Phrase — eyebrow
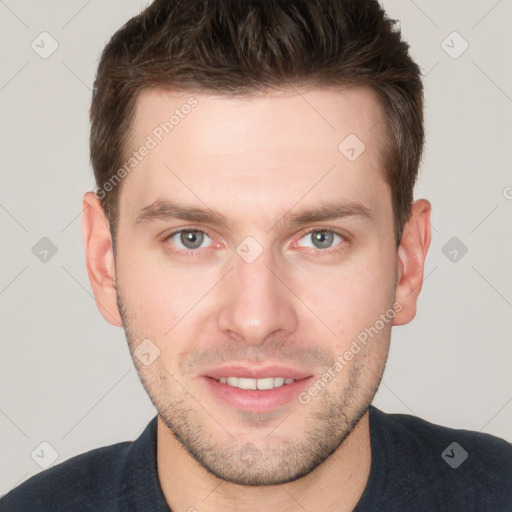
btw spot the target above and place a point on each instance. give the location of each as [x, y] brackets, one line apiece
[164, 209]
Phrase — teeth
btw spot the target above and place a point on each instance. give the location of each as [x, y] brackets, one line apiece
[261, 384]
[267, 383]
[247, 383]
[278, 381]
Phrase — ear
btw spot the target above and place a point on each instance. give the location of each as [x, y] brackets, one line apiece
[411, 261]
[100, 258]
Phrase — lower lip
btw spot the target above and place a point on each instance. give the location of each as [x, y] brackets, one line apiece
[257, 401]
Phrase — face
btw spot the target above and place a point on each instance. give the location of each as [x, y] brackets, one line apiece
[245, 302]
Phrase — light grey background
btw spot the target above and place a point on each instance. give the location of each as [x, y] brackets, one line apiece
[66, 377]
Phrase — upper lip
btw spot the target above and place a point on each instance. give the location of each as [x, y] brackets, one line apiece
[254, 372]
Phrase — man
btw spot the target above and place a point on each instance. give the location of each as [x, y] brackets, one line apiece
[254, 232]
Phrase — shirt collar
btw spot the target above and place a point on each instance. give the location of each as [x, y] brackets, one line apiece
[140, 488]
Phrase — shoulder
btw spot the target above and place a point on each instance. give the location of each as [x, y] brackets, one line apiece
[79, 483]
[471, 467]
[412, 433]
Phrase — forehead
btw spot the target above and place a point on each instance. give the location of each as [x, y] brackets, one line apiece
[257, 151]
[287, 117]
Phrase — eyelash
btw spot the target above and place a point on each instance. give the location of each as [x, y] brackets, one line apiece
[197, 252]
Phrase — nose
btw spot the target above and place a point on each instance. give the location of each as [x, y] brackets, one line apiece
[258, 302]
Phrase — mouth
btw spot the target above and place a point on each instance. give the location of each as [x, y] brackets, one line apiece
[259, 384]
[255, 390]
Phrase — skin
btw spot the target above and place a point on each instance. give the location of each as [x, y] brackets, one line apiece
[257, 160]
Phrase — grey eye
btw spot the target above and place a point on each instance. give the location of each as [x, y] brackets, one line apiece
[191, 239]
[322, 238]
[188, 239]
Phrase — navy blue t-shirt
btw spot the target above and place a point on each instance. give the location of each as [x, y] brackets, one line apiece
[416, 466]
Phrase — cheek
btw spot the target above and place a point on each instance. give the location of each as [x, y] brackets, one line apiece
[146, 292]
[161, 298]
[351, 297]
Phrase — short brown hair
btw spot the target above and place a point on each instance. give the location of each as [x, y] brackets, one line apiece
[238, 47]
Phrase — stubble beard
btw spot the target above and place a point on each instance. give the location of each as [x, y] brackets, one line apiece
[258, 460]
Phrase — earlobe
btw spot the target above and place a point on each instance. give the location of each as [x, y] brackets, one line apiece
[100, 258]
[412, 253]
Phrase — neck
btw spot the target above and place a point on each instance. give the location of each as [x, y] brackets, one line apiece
[336, 484]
